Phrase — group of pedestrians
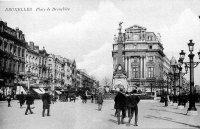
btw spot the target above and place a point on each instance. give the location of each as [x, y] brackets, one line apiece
[126, 102]
[29, 100]
[181, 99]
[98, 97]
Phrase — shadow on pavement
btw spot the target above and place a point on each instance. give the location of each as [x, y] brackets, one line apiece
[115, 116]
[114, 121]
[197, 105]
[112, 115]
[168, 111]
[170, 119]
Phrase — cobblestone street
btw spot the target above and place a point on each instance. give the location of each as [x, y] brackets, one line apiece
[77, 115]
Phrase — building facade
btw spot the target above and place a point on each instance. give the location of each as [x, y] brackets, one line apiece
[67, 72]
[32, 63]
[43, 67]
[62, 71]
[12, 57]
[144, 61]
[85, 81]
[24, 65]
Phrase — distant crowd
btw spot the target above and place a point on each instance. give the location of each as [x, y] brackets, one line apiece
[48, 98]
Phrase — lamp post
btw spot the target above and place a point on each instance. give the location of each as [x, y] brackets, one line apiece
[180, 74]
[191, 65]
[169, 76]
[174, 68]
[29, 76]
[151, 88]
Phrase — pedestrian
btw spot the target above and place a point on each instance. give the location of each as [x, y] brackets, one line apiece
[46, 99]
[52, 98]
[120, 105]
[73, 97]
[166, 99]
[185, 99]
[92, 98]
[84, 98]
[8, 99]
[132, 104]
[21, 99]
[100, 101]
[29, 102]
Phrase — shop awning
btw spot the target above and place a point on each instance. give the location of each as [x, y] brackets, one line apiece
[37, 91]
[42, 90]
[20, 89]
[58, 92]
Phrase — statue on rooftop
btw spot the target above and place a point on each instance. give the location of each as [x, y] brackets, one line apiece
[120, 27]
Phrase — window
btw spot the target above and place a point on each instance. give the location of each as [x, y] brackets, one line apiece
[1, 42]
[135, 72]
[150, 46]
[134, 46]
[135, 59]
[5, 46]
[150, 58]
[115, 47]
[19, 50]
[23, 52]
[11, 48]
[14, 50]
[150, 72]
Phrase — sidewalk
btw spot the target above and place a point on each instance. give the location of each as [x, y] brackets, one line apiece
[155, 115]
[70, 115]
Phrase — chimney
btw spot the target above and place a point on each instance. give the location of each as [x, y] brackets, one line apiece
[36, 49]
[31, 45]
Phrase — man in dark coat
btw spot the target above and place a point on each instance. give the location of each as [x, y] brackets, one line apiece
[132, 102]
[21, 99]
[100, 101]
[29, 102]
[120, 105]
[165, 98]
[46, 99]
[8, 99]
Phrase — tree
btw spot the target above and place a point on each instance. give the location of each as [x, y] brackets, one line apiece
[107, 83]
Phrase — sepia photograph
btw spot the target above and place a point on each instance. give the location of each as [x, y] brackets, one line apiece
[99, 64]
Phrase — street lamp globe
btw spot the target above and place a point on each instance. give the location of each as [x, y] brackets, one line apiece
[182, 55]
[191, 46]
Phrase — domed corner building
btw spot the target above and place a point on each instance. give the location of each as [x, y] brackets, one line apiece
[139, 61]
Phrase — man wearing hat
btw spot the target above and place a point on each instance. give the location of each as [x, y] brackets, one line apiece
[29, 102]
[46, 99]
[120, 106]
[132, 102]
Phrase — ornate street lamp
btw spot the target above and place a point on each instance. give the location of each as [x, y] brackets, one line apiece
[29, 74]
[169, 78]
[174, 68]
[182, 56]
[191, 64]
[191, 46]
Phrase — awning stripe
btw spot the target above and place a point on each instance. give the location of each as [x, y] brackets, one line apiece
[37, 90]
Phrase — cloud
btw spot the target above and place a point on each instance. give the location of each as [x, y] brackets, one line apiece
[176, 37]
[98, 63]
[89, 40]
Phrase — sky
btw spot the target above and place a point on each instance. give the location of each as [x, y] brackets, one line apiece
[84, 30]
